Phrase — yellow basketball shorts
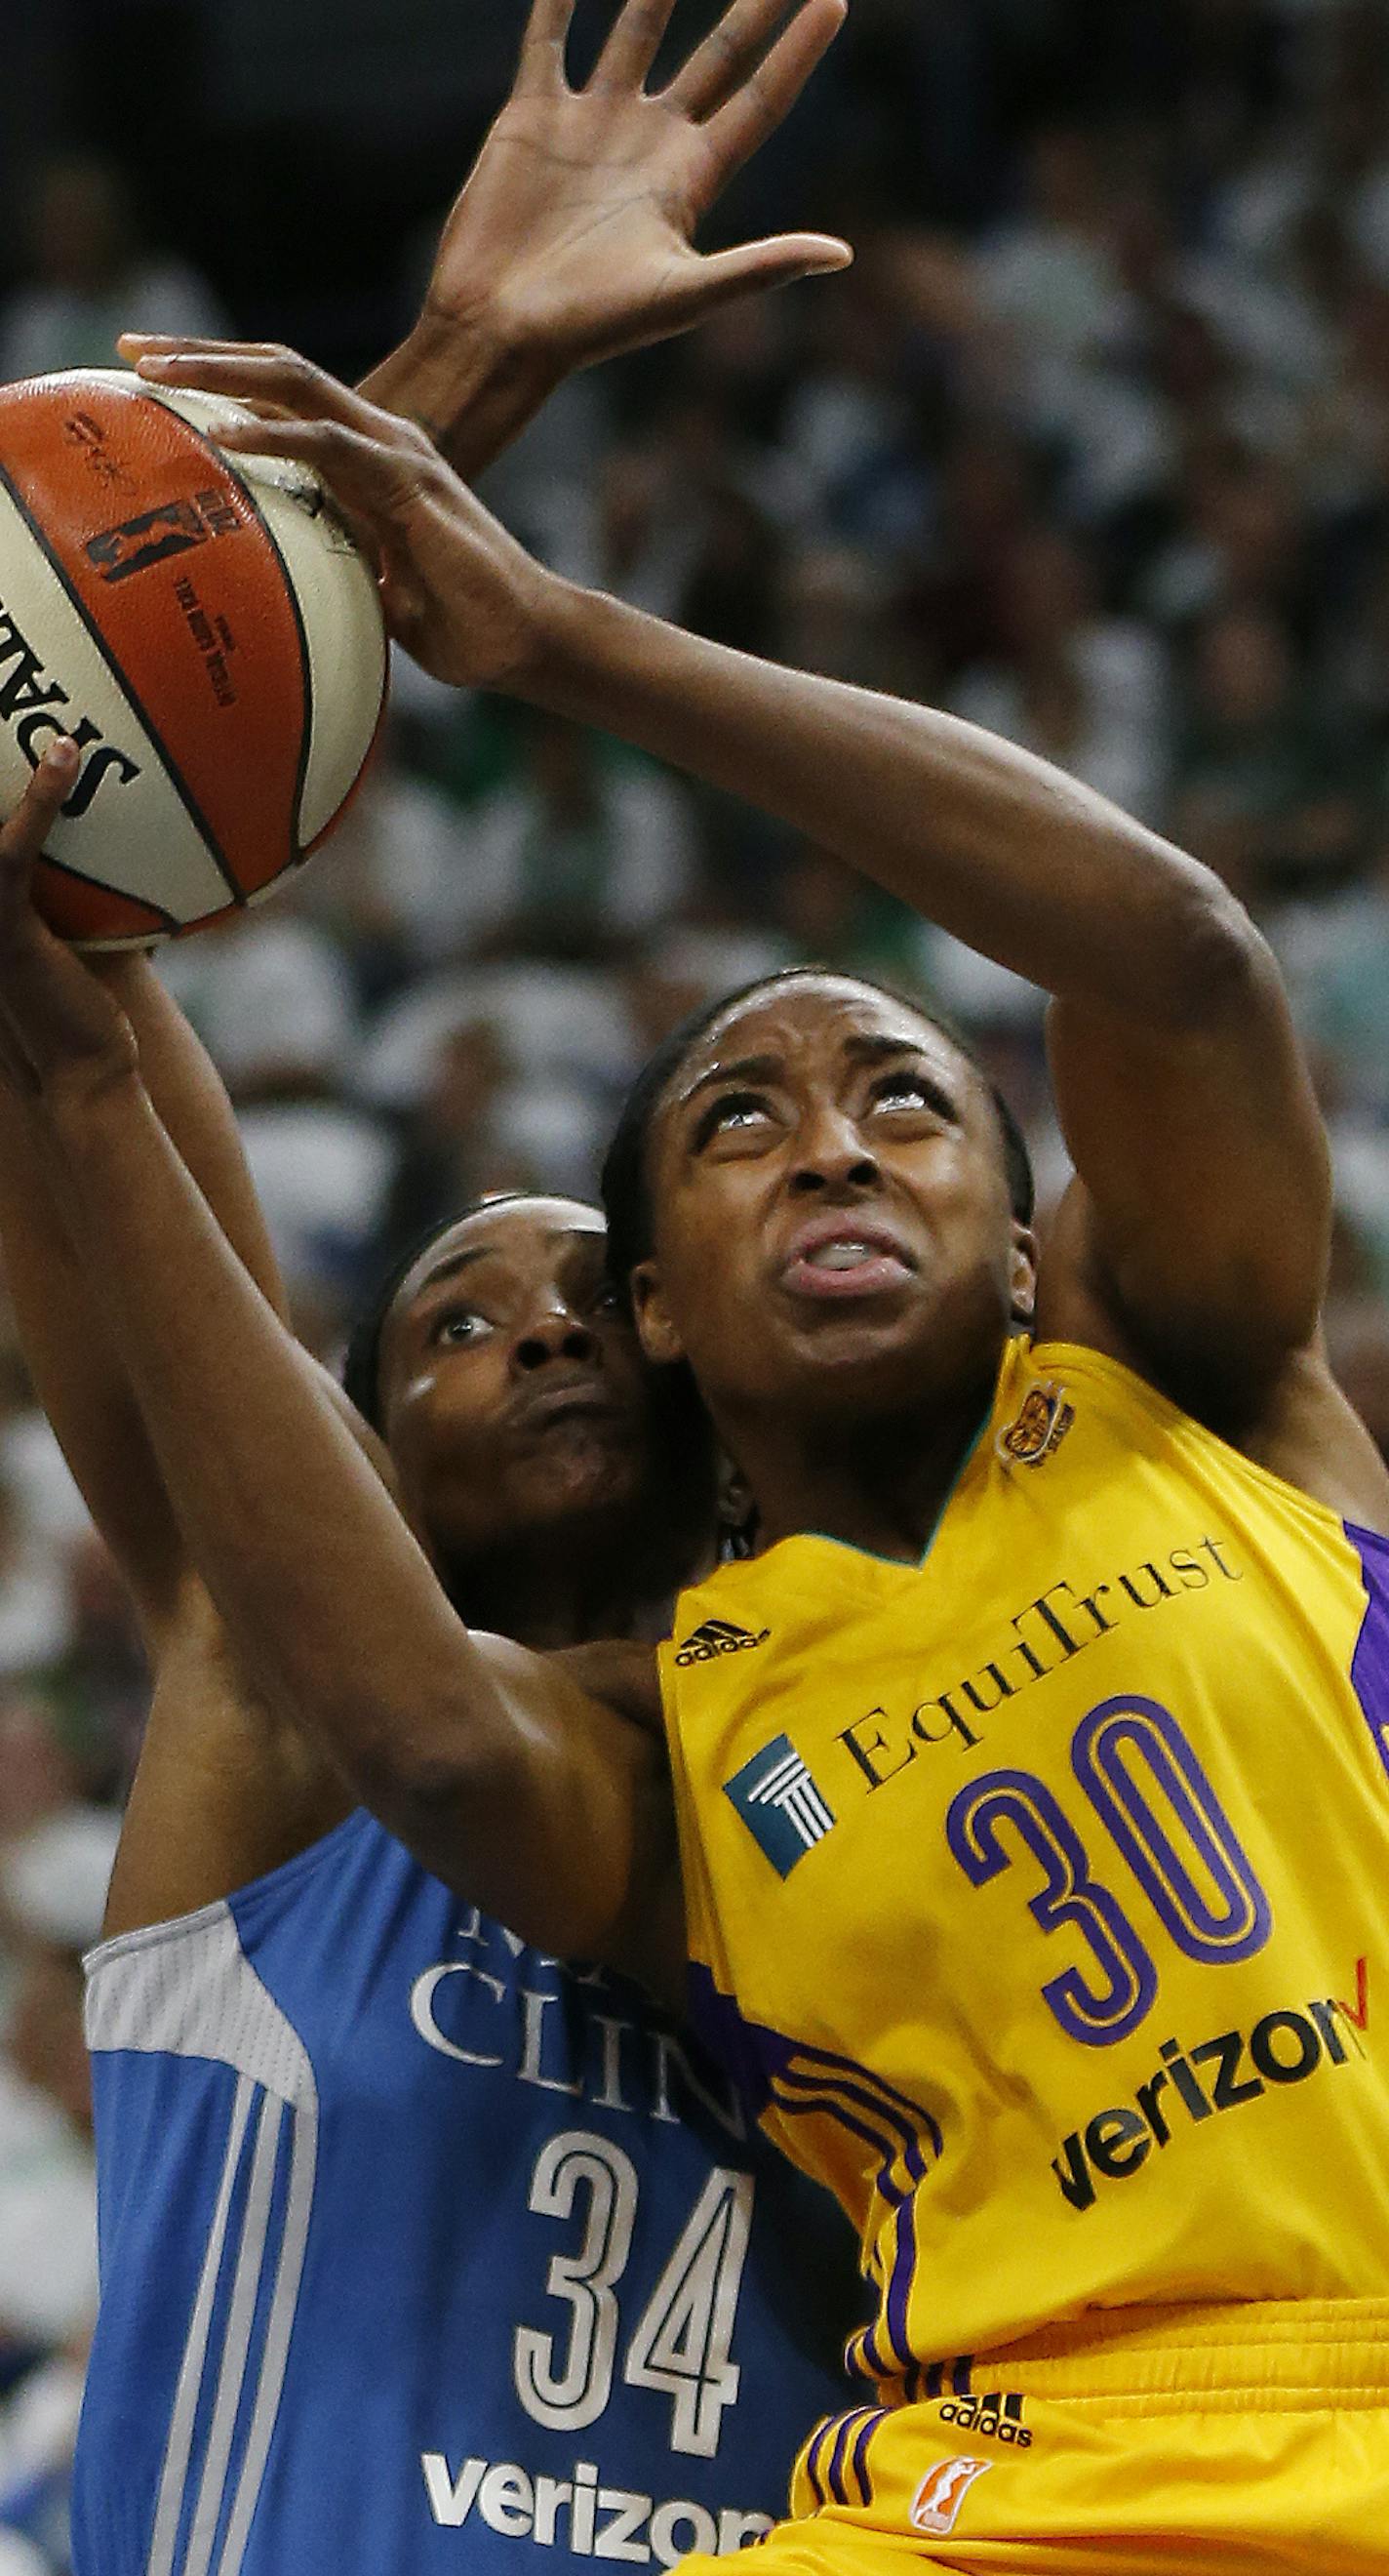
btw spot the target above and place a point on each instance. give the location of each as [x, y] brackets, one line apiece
[1250, 2439]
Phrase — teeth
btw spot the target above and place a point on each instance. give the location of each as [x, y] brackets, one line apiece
[839, 1256]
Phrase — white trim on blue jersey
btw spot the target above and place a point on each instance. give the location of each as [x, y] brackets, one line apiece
[187, 1990]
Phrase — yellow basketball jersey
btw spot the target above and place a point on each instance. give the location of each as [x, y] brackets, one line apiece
[1039, 1890]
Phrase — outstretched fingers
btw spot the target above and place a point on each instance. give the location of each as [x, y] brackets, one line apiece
[768, 92]
[729, 55]
[543, 46]
[633, 45]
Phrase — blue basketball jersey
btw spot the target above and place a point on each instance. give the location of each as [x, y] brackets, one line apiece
[421, 2252]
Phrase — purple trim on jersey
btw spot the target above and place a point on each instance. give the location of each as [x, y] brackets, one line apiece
[813, 2066]
[1369, 1670]
[770, 2068]
[904, 2261]
[757, 2056]
[748, 2052]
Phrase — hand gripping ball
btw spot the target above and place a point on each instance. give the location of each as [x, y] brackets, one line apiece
[204, 627]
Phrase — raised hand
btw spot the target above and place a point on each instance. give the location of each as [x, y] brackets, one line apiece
[573, 238]
[59, 1026]
[575, 231]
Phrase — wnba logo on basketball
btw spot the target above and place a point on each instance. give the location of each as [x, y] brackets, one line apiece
[937, 2501]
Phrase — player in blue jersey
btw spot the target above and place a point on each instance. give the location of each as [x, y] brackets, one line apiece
[420, 2248]
[408, 2230]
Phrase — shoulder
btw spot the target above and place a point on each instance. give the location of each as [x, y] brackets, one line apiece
[1276, 1406]
[621, 1674]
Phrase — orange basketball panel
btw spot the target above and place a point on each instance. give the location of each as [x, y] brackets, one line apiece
[77, 908]
[162, 548]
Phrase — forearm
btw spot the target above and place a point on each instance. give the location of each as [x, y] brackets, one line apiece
[1001, 849]
[76, 1374]
[470, 387]
[498, 1771]
[327, 1599]
[60, 1296]
[192, 1105]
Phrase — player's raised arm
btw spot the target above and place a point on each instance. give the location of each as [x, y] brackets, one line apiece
[224, 1789]
[496, 1767]
[573, 239]
[59, 1299]
[1197, 1245]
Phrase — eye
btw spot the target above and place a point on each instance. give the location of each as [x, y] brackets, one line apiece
[907, 1089]
[734, 1110]
[607, 1299]
[458, 1324]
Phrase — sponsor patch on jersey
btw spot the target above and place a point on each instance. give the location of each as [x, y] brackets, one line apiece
[1235, 2067]
[937, 2501]
[581, 2515]
[718, 1637]
[781, 1803]
[1040, 1428]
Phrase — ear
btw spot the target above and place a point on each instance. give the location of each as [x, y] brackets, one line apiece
[1022, 1273]
[655, 1331]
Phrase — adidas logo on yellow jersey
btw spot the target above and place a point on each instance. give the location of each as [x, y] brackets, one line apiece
[998, 2417]
[718, 1637]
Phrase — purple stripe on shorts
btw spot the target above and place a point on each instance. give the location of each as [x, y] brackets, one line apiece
[860, 2460]
[847, 2425]
[1369, 1670]
[813, 2467]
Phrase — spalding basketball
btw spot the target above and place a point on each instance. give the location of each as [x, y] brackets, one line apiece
[205, 629]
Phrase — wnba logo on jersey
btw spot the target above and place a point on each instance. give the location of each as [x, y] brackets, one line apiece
[937, 2501]
[1041, 1426]
[781, 1804]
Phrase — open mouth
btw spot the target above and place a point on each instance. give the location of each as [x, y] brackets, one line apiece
[840, 1257]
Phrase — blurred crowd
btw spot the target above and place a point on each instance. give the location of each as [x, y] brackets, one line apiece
[1091, 445]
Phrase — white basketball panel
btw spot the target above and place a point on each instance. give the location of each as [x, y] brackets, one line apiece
[136, 832]
[338, 605]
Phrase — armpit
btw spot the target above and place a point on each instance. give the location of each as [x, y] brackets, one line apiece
[622, 1674]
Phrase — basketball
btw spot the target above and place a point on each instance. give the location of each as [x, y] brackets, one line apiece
[207, 632]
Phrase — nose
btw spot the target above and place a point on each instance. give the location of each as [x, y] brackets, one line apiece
[831, 1155]
[553, 1334]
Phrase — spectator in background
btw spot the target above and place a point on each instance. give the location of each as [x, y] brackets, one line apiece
[91, 277]
[1264, 791]
[273, 997]
[452, 1149]
[584, 848]
[1087, 691]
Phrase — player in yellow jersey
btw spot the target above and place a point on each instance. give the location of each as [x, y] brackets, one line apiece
[1025, 1818]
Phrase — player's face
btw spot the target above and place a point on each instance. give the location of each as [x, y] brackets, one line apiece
[514, 1398]
[833, 1231]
